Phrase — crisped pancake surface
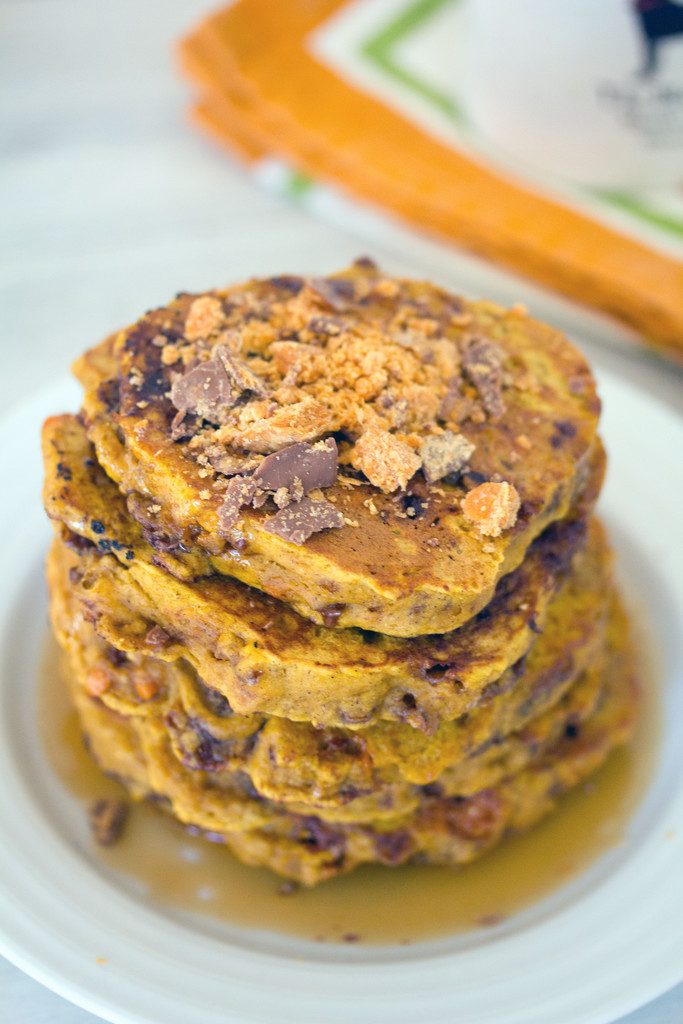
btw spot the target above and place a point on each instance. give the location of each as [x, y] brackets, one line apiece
[264, 657]
[381, 367]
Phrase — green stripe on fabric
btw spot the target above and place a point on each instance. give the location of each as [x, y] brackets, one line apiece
[298, 185]
[638, 208]
[379, 49]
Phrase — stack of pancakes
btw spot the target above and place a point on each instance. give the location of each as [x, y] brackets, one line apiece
[325, 571]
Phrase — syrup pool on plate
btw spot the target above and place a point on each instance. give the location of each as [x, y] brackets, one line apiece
[373, 904]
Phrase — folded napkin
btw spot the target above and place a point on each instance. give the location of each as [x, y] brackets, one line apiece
[344, 93]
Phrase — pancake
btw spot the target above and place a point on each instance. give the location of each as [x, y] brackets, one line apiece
[340, 775]
[451, 829]
[326, 575]
[462, 431]
[259, 654]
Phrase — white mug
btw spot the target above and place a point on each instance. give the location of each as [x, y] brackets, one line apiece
[586, 90]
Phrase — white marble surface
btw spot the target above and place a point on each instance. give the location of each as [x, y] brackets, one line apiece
[111, 203]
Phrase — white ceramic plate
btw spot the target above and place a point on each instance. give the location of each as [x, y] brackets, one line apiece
[604, 944]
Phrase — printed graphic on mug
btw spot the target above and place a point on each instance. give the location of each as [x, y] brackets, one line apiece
[584, 91]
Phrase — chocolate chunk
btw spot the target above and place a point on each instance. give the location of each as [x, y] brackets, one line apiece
[482, 362]
[365, 263]
[205, 752]
[476, 817]
[393, 847]
[331, 613]
[336, 292]
[566, 428]
[154, 532]
[239, 492]
[214, 700]
[206, 391]
[109, 393]
[311, 465]
[444, 454]
[211, 389]
[287, 282]
[341, 744]
[240, 376]
[115, 656]
[107, 818]
[320, 836]
[157, 637]
[299, 522]
[580, 385]
[412, 505]
[454, 404]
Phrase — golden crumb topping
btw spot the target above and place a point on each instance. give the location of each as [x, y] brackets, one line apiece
[392, 372]
[492, 507]
[204, 318]
[387, 462]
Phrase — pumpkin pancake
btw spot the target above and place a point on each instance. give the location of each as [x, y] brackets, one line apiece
[441, 828]
[374, 452]
[258, 653]
[339, 775]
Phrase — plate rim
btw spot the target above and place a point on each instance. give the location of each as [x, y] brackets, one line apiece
[32, 410]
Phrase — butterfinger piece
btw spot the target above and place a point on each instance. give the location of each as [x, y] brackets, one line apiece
[492, 507]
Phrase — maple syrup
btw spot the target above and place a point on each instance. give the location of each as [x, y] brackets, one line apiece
[373, 904]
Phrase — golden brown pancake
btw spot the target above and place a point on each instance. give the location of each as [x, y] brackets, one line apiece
[442, 828]
[185, 406]
[326, 575]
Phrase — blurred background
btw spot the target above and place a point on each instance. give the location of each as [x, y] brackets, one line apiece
[115, 196]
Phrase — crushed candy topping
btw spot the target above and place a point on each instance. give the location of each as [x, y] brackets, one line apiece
[482, 362]
[239, 374]
[204, 317]
[261, 376]
[239, 492]
[310, 466]
[334, 292]
[205, 391]
[387, 462]
[302, 421]
[492, 507]
[225, 462]
[444, 454]
[299, 522]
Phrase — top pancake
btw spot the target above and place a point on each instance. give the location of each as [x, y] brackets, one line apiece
[409, 381]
